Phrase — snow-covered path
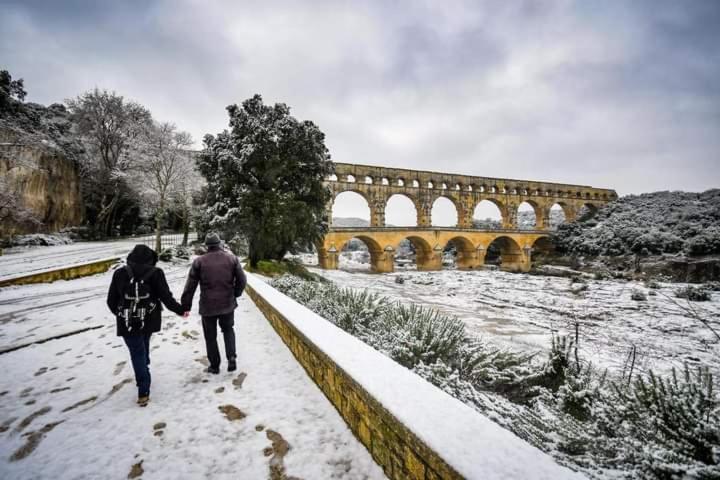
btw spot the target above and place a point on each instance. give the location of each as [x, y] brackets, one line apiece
[68, 408]
[26, 260]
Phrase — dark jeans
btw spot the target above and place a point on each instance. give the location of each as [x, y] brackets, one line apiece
[139, 346]
[210, 324]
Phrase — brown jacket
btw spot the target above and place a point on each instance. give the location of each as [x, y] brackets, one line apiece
[221, 280]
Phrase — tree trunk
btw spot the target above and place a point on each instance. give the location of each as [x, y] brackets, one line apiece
[158, 226]
[186, 226]
[106, 215]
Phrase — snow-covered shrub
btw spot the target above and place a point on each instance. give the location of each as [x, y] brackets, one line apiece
[579, 390]
[694, 294]
[181, 251]
[705, 242]
[668, 426]
[166, 254]
[40, 239]
[638, 296]
[656, 242]
[660, 222]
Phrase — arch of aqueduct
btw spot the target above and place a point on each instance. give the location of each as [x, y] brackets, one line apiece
[377, 184]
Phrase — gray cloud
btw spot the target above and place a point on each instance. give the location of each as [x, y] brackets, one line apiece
[617, 94]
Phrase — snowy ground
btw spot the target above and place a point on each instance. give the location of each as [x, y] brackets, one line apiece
[26, 260]
[521, 311]
[68, 404]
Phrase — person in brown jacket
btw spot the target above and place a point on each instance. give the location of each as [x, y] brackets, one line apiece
[222, 281]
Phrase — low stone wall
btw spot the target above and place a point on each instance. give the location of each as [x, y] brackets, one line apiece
[62, 273]
[393, 446]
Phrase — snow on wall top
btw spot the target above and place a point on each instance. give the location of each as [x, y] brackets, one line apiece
[467, 440]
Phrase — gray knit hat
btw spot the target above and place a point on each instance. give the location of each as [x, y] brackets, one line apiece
[212, 239]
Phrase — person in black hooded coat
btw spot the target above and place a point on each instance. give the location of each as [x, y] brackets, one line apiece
[140, 262]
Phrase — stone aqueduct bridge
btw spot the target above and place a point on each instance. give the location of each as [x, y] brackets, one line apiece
[377, 184]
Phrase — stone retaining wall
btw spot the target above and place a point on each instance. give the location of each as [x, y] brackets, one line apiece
[393, 446]
[63, 273]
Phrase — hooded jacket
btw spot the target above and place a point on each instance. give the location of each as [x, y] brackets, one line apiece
[221, 279]
[140, 261]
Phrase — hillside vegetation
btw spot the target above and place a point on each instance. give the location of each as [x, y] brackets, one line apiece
[647, 224]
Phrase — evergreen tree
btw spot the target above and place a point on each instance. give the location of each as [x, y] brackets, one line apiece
[11, 92]
[265, 178]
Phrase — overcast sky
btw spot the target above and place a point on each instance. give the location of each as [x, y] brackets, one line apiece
[618, 94]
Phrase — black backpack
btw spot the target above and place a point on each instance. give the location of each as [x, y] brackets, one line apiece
[137, 303]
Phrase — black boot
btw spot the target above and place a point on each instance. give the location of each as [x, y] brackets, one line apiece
[213, 370]
[232, 366]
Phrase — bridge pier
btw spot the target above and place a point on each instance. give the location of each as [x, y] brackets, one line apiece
[515, 261]
[329, 259]
[382, 261]
[470, 259]
[428, 260]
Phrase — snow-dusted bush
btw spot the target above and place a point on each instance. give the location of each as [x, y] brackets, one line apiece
[40, 239]
[638, 296]
[668, 427]
[166, 255]
[660, 222]
[694, 294]
[181, 251]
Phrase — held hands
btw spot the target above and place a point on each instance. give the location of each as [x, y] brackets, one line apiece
[186, 314]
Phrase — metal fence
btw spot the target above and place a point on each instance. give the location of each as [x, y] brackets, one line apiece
[167, 240]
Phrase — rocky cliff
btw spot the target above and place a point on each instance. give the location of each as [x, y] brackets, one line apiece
[45, 182]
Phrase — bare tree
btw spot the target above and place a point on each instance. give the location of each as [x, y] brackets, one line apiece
[111, 128]
[184, 198]
[165, 167]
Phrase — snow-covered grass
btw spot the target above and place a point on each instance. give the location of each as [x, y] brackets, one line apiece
[68, 405]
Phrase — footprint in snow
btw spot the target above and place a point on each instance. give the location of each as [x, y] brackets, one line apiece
[41, 371]
[79, 404]
[32, 440]
[280, 447]
[26, 392]
[118, 368]
[158, 429]
[118, 386]
[231, 412]
[136, 470]
[238, 382]
[29, 419]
